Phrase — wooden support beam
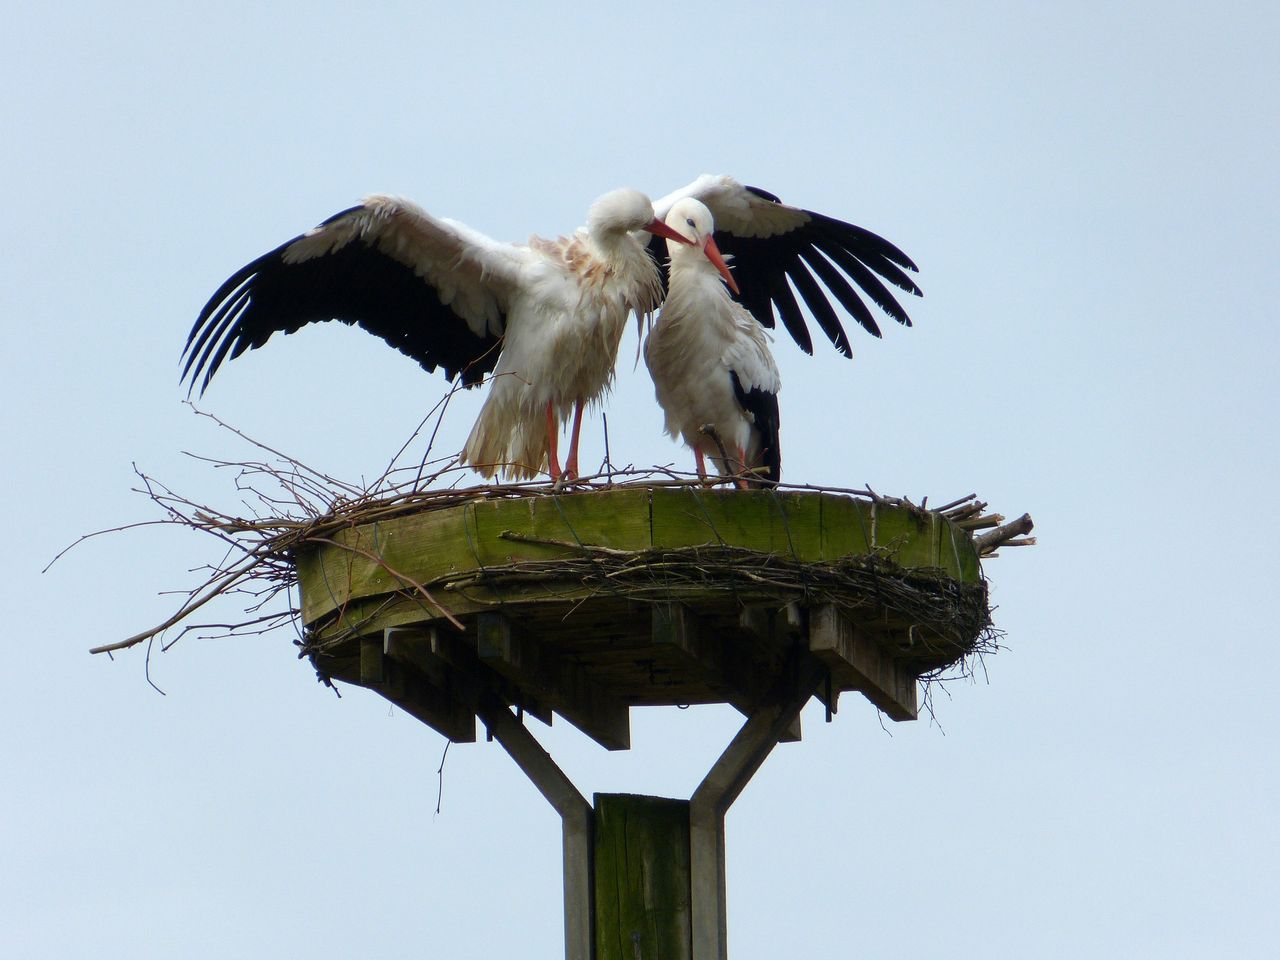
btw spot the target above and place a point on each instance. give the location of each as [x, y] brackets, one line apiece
[576, 816]
[556, 681]
[858, 663]
[722, 785]
[769, 622]
[372, 673]
[744, 686]
[433, 649]
[411, 646]
[415, 694]
[641, 877]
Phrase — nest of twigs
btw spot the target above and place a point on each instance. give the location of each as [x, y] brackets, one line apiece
[289, 508]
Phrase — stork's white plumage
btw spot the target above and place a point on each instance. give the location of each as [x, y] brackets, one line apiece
[709, 357]
[544, 318]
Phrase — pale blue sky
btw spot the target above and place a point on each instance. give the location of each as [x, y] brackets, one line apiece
[1092, 199]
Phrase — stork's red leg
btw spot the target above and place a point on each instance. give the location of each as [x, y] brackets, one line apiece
[571, 463]
[702, 463]
[553, 442]
[742, 462]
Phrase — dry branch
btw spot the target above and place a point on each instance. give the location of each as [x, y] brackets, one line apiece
[1003, 535]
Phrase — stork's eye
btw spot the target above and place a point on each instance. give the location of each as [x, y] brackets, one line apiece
[689, 221]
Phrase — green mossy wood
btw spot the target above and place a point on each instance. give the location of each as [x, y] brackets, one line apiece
[642, 892]
[447, 544]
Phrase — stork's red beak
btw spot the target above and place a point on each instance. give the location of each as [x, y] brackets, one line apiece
[713, 254]
[662, 230]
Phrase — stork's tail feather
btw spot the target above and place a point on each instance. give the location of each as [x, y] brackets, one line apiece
[518, 453]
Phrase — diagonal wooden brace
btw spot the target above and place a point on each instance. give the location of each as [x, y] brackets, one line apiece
[576, 818]
[721, 786]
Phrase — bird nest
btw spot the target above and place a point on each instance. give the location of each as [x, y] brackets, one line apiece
[651, 587]
[586, 560]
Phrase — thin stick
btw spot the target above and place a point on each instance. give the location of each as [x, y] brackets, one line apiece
[216, 589]
[954, 503]
[440, 776]
[1002, 534]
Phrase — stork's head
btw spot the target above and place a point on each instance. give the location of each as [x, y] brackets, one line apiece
[621, 212]
[692, 222]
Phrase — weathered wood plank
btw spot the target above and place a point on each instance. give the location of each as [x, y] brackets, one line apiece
[414, 694]
[958, 554]
[460, 691]
[555, 680]
[372, 668]
[859, 663]
[450, 647]
[783, 523]
[908, 537]
[846, 527]
[506, 531]
[360, 563]
[642, 893]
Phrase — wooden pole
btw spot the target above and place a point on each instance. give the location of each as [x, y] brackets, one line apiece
[642, 878]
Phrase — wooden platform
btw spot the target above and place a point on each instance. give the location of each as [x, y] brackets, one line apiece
[587, 604]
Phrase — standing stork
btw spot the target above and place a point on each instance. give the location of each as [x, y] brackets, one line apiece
[544, 318]
[710, 359]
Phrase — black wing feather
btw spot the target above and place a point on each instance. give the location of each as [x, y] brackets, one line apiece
[763, 407]
[792, 317]
[762, 267]
[862, 241]
[355, 284]
[820, 306]
[843, 292]
[869, 283]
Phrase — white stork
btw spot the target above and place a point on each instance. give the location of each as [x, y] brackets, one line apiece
[710, 359]
[544, 318]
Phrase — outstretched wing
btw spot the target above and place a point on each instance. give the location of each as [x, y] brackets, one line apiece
[776, 247]
[434, 289]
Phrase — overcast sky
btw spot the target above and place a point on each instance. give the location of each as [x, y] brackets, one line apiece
[1092, 199]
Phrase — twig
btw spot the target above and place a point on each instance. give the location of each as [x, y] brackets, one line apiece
[216, 589]
[709, 430]
[955, 503]
[97, 533]
[1002, 534]
[440, 776]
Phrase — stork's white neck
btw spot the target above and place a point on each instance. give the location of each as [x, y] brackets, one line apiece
[692, 261]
